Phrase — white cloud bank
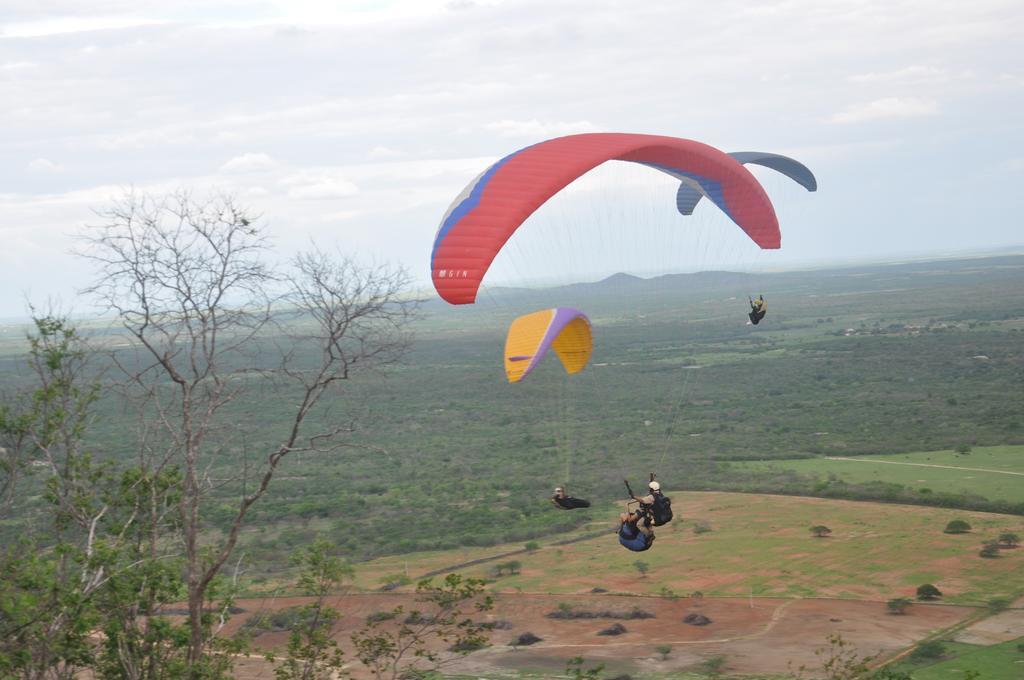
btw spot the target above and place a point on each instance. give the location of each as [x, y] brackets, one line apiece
[886, 109]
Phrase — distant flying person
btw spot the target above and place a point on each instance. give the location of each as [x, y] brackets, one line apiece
[758, 308]
[563, 501]
[632, 534]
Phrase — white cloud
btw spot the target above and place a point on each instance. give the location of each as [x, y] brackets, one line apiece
[43, 166]
[324, 189]
[915, 74]
[536, 129]
[383, 152]
[249, 162]
[887, 108]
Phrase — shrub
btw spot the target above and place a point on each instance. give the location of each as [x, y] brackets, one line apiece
[820, 531]
[898, 605]
[957, 526]
[616, 629]
[989, 549]
[932, 649]
[701, 527]
[526, 639]
[928, 592]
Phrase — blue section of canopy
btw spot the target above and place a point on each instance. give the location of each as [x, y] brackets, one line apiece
[688, 196]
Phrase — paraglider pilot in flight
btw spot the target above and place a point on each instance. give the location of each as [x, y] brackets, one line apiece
[565, 502]
[636, 531]
[632, 534]
[758, 308]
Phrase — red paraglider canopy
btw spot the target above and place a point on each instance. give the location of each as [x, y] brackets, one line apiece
[488, 211]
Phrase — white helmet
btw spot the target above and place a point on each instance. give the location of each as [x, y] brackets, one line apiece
[654, 486]
[558, 489]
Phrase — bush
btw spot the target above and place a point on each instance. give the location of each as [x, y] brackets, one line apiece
[990, 549]
[531, 546]
[957, 526]
[820, 531]
[927, 651]
[616, 629]
[701, 527]
[898, 605]
[570, 613]
[526, 639]
[928, 592]
[696, 620]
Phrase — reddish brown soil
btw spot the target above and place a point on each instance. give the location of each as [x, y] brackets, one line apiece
[775, 636]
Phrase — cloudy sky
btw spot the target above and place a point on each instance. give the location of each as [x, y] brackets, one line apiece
[353, 124]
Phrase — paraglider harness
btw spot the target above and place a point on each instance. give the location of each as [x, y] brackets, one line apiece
[757, 310]
[656, 514]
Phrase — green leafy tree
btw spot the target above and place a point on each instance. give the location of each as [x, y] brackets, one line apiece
[820, 531]
[898, 605]
[957, 526]
[311, 653]
[1008, 540]
[963, 449]
[928, 591]
[663, 651]
[446, 618]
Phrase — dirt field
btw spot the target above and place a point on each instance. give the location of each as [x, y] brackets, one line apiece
[774, 636]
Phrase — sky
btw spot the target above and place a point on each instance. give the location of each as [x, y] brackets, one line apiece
[353, 125]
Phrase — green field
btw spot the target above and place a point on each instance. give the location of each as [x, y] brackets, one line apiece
[875, 552]
[989, 477]
[997, 662]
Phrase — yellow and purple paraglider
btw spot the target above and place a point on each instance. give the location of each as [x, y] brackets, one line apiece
[563, 329]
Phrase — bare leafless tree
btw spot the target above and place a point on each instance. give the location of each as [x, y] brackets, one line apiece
[188, 280]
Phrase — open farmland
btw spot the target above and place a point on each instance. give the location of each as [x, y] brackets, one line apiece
[995, 472]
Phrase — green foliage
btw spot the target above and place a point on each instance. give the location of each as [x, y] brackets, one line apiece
[820, 531]
[713, 665]
[989, 549]
[839, 661]
[963, 449]
[663, 651]
[642, 568]
[531, 546]
[447, 616]
[928, 651]
[1008, 540]
[574, 668]
[957, 526]
[928, 591]
[701, 527]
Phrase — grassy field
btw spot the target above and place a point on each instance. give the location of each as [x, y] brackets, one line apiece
[761, 545]
[983, 472]
[1004, 660]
